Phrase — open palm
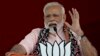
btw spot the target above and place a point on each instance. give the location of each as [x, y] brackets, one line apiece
[75, 22]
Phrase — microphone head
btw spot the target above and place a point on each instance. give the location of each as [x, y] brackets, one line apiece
[53, 26]
[47, 30]
[55, 29]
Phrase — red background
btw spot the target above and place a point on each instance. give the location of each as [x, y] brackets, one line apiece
[19, 17]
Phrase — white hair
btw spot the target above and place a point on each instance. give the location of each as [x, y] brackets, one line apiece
[53, 4]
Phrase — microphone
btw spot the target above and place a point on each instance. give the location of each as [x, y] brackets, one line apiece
[55, 29]
[47, 30]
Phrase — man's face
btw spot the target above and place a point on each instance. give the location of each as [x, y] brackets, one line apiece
[53, 15]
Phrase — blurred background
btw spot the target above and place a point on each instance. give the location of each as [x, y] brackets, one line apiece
[19, 17]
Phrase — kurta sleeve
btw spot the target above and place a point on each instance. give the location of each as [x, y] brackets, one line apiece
[30, 40]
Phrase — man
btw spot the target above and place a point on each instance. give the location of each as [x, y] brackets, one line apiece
[55, 21]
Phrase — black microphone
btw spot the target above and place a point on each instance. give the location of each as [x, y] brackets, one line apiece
[53, 26]
[55, 29]
[47, 30]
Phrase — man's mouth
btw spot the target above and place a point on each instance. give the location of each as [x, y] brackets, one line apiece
[52, 25]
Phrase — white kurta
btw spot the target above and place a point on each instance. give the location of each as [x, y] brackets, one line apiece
[30, 40]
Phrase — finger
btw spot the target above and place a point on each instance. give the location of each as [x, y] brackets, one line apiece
[68, 25]
[70, 14]
[76, 13]
[73, 11]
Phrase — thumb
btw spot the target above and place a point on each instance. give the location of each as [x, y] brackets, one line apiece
[68, 25]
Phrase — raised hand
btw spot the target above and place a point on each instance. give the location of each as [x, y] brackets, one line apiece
[75, 22]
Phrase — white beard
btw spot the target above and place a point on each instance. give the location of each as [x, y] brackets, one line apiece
[59, 26]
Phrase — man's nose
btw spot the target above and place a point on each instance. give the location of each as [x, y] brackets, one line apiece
[52, 18]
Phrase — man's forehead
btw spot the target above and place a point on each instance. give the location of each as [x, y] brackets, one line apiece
[53, 9]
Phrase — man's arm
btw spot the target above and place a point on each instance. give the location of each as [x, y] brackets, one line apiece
[26, 46]
[17, 50]
[87, 48]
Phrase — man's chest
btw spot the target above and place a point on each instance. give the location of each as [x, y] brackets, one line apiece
[56, 38]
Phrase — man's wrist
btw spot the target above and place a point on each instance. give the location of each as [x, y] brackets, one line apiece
[81, 37]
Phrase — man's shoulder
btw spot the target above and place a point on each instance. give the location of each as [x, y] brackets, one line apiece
[36, 30]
